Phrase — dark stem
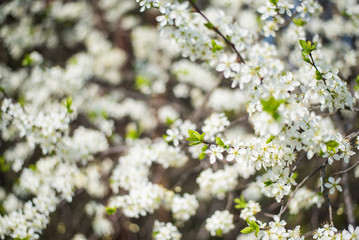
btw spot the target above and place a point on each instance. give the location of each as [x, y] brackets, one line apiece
[299, 185]
[322, 170]
[347, 198]
[228, 42]
[315, 66]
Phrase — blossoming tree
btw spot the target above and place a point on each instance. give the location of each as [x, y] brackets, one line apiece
[179, 119]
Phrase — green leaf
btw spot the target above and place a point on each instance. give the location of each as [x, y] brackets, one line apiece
[132, 133]
[194, 137]
[313, 47]
[357, 83]
[33, 167]
[274, 2]
[27, 60]
[110, 210]
[4, 166]
[247, 230]
[332, 145]
[215, 46]
[267, 183]
[68, 104]
[142, 81]
[201, 155]
[240, 203]
[219, 232]
[271, 106]
[219, 142]
[318, 75]
[308, 47]
[299, 21]
[270, 139]
[194, 134]
[209, 25]
[170, 121]
[303, 44]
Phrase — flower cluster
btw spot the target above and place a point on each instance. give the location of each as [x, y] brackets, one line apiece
[112, 127]
[221, 222]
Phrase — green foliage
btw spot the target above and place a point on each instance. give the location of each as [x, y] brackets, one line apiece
[274, 2]
[308, 47]
[195, 138]
[240, 203]
[357, 83]
[299, 22]
[219, 232]
[33, 167]
[170, 121]
[132, 134]
[215, 46]
[203, 154]
[332, 145]
[267, 183]
[209, 25]
[270, 139]
[252, 227]
[110, 210]
[68, 104]
[142, 81]
[4, 166]
[27, 60]
[318, 75]
[219, 141]
[271, 106]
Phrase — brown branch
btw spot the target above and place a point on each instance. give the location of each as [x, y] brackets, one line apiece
[197, 114]
[347, 198]
[325, 191]
[230, 201]
[228, 42]
[352, 135]
[298, 186]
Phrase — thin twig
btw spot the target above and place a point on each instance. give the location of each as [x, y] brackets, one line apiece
[228, 42]
[347, 198]
[315, 66]
[298, 186]
[352, 135]
[197, 114]
[325, 191]
[346, 170]
[300, 159]
[184, 177]
[230, 201]
[238, 121]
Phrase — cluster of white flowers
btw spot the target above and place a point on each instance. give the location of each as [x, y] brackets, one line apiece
[139, 201]
[184, 207]
[251, 209]
[304, 198]
[214, 125]
[218, 183]
[276, 230]
[165, 231]
[330, 232]
[221, 222]
[95, 99]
